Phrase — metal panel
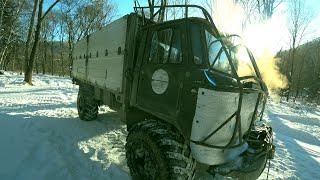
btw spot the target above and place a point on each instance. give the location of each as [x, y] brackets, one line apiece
[79, 66]
[213, 109]
[105, 63]
[107, 72]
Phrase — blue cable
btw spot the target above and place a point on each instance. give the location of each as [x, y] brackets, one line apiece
[212, 81]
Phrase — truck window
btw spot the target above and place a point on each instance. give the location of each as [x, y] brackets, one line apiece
[218, 59]
[196, 45]
[175, 49]
[222, 63]
[165, 47]
[243, 64]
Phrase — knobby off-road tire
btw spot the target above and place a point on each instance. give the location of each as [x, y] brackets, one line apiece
[86, 104]
[156, 151]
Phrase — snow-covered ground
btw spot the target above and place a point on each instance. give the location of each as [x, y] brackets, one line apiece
[41, 136]
[297, 139]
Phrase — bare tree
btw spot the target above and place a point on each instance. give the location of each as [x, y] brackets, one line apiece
[303, 56]
[162, 10]
[3, 5]
[299, 20]
[82, 18]
[266, 7]
[29, 35]
[45, 32]
[30, 59]
[208, 5]
[61, 44]
[173, 13]
[9, 15]
[53, 24]
[68, 8]
[253, 10]
[152, 4]
[316, 73]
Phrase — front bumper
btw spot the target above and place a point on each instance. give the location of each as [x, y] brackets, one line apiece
[251, 163]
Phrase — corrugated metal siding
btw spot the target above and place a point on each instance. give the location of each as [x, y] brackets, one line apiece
[103, 70]
[79, 66]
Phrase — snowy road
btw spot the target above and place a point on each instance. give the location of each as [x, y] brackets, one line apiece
[297, 139]
[41, 136]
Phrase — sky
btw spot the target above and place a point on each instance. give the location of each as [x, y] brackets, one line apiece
[314, 5]
[125, 7]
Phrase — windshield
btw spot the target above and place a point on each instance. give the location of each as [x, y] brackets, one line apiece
[218, 59]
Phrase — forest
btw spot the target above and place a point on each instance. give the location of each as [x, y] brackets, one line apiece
[38, 36]
[42, 40]
[306, 71]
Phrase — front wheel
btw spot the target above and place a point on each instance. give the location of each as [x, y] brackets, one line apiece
[156, 151]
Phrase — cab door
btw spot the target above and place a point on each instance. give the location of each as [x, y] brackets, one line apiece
[162, 73]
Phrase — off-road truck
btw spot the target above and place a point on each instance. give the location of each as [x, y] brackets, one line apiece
[191, 96]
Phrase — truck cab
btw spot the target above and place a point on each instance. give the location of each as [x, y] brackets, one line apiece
[191, 97]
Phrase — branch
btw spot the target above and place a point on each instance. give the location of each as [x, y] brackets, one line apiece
[280, 2]
[49, 9]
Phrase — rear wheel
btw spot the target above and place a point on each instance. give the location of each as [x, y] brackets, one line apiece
[86, 104]
[156, 151]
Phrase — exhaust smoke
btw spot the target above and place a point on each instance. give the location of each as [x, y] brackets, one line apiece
[262, 37]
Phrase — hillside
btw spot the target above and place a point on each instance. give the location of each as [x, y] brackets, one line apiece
[306, 70]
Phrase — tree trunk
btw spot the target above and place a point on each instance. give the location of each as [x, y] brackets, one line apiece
[70, 58]
[62, 73]
[37, 65]
[5, 62]
[299, 80]
[45, 57]
[28, 72]
[162, 11]
[291, 72]
[30, 61]
[30, 30]
[52, 56]
[14, 60]
[2, 58]
[61, 48]
[70, 45]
